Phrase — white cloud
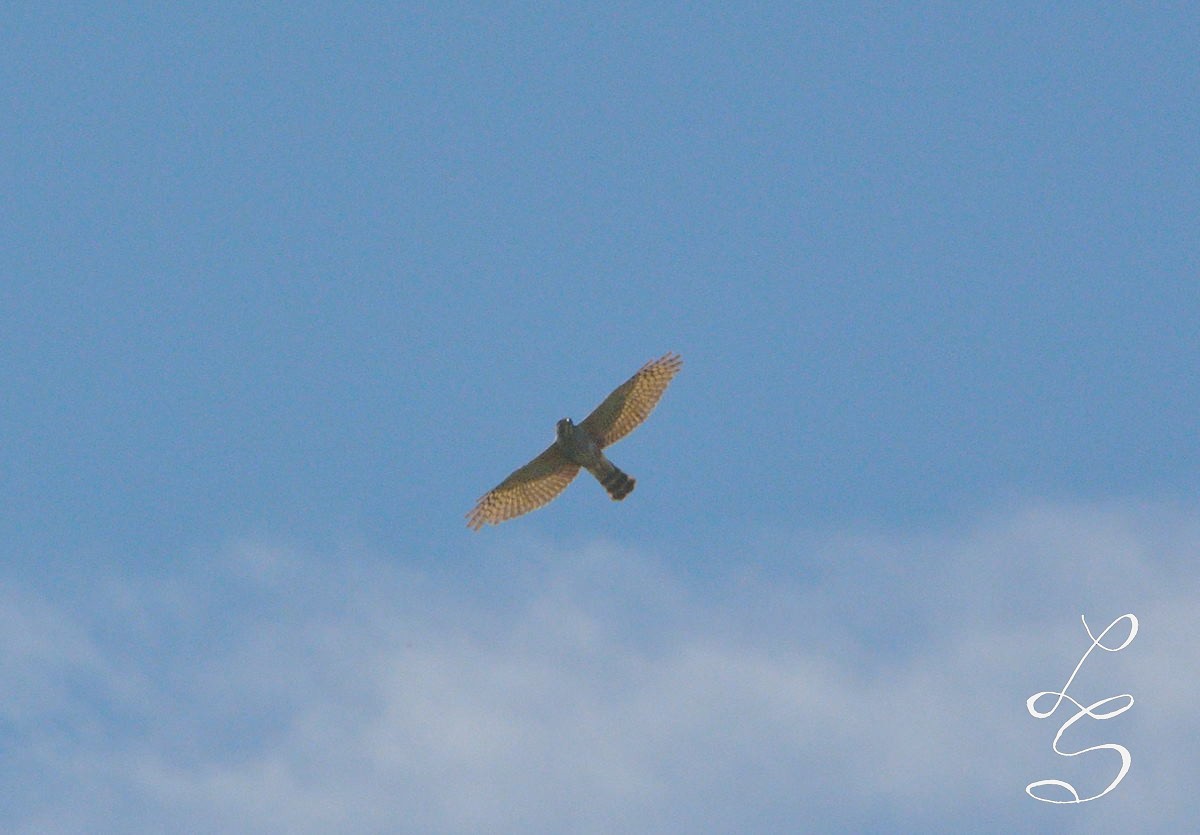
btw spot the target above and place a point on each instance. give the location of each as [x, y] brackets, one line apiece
[880, 683]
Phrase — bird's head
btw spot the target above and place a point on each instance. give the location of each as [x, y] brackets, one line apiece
[565, 427]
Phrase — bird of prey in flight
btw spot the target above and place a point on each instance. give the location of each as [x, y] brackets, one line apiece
[580, 445]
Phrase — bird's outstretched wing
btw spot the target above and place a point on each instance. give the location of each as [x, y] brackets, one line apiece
[526, 489]
[632, 401]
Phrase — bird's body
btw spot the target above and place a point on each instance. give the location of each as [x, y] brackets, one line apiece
[576, 444]
[580, 445]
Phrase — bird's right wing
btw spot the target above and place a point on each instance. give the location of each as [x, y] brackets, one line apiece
[526, 489]
[632, 401]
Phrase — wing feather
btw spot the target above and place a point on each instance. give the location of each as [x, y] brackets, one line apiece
[632, 401]
[528, 488]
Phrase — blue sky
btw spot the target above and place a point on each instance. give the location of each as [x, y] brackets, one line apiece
[288, 288]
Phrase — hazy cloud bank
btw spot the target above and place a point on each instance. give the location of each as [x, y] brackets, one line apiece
[833, 683]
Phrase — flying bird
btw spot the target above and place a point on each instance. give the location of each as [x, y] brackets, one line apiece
[580, 445]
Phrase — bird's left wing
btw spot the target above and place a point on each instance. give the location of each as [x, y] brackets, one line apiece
[526, 489]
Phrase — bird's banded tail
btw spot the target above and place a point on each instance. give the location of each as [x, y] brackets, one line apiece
[613, 480]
